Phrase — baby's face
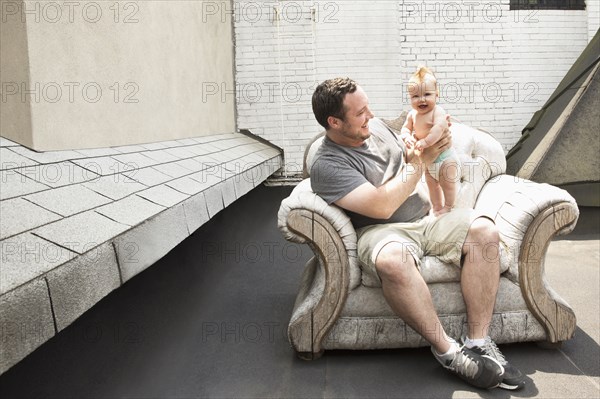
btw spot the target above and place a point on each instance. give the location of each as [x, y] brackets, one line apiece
[423, 96]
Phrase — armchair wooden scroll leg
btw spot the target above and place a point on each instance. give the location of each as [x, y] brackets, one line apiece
[556, 317]
[309, 330]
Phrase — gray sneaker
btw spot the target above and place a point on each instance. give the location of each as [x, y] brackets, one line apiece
[481, 371]
[513, 379]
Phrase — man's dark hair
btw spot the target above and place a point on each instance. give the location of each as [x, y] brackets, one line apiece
[328, 99]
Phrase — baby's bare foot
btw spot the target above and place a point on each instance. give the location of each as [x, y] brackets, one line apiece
[439, 212]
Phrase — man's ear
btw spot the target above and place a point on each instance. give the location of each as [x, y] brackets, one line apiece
[333, 121]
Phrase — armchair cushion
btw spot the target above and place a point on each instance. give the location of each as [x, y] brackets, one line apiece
[513, 203]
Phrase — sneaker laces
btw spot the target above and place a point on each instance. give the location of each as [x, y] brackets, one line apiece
[464, 364]
[492, 350]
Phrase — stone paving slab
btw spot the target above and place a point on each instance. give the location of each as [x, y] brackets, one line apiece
[162, 156]
[131, 210]
[227, 188]
[173, 169]
[180, 152]
[82, 232]
[46, 157]
[27, 321]
[196, 212]
[115, 187]
[186, 185]
[126, 149]
[139, 248]
[136, 159]
[186, 141]
[81, 283]
[26, 257]
[57, 174]
[78, 224]
[191, 164]
[19, 215]
[163, 195]
[210, 148]
[98, 152]
[68, 200]
[206, 177]
[149, 176]
[11, 159]
[7, 143]
[214, 200]
[102, 166]
[154, 146]
[16, 185]
[199, 149]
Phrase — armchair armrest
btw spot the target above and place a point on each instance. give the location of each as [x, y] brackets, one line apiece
[305, 218]
[528, 216]
[302, 199]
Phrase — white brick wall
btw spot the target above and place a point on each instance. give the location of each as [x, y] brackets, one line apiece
[275, 74]
[360, 40]
[593, 10]
[495, 67]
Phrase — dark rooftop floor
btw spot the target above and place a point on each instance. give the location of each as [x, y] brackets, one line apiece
[209, 320]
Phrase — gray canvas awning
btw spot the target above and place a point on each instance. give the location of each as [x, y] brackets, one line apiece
[561, 143]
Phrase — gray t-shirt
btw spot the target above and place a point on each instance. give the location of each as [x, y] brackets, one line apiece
[337, 170]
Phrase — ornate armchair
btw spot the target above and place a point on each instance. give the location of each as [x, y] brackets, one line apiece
[338, 306]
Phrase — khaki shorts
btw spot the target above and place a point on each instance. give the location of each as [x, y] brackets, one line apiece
[443, 237]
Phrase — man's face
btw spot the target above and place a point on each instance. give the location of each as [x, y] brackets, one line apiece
[355, 126]
[423, 96]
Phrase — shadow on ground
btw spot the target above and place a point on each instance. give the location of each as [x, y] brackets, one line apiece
[209, 320]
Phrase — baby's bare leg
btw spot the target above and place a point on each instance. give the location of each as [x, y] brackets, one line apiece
[449, 178]
[435, 193]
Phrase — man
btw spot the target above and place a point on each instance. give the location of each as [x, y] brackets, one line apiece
[364, 168]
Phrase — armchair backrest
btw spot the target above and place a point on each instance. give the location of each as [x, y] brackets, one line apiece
[481, 155]
[482, 159]
[309, 153]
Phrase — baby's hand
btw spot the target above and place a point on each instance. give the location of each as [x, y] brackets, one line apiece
[421, 145]
[409, 140]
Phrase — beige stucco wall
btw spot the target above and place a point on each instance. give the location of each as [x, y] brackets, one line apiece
[88, 74]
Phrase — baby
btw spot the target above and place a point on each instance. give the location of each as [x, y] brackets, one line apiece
[423, 127]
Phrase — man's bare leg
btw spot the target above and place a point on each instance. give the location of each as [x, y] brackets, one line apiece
[479, 281]
[480, 275]
[407, 294]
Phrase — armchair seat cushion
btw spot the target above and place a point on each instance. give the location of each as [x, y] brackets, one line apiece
[447, 299]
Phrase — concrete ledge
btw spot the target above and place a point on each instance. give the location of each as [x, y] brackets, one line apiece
[77, 285]
[69, 240]
[140, 247]
[27, 321]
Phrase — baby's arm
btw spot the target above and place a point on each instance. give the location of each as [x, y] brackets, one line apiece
[406, 131]
[440, 123]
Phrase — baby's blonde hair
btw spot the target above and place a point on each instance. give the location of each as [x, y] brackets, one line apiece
[422, 75]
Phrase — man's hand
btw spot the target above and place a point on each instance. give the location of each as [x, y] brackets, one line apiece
[430, 154]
